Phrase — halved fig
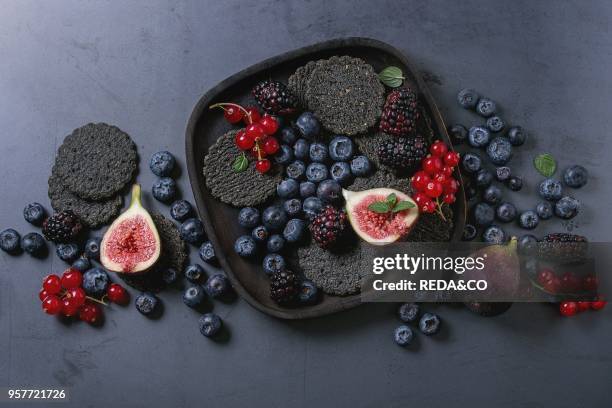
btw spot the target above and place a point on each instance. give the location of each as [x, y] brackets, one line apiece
[131, 244]
[375, 225]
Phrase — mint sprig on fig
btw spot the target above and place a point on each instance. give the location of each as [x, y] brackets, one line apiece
[390, 205]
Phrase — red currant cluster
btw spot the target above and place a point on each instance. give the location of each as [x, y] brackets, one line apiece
[571, 283]
[434, 184]
[66, 296]
[257, 137]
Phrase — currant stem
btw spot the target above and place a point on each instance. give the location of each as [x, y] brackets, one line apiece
[222, 105]
[96, 300]
[439, 209]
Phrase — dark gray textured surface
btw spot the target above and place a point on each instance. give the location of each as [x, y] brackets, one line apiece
[143, 64]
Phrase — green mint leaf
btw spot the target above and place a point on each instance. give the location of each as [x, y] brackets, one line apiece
[241, 163]
[403, 205]
[391, 76]
[391, 199]
[379, 207]
[545, 164]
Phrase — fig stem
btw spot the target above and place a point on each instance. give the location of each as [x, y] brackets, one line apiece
[136, 195]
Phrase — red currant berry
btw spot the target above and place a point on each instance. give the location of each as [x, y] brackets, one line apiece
[598, 304]
[583, 306]
[78, 295]
[552, 285]
[438, 148]
[90, 313]
[263, 165]
[447, 171]
[429, 207]
[117, 294]
[434, 189]
[420, 199]
[269, 124]
[233, 114]
[258, 152]
[270, 145]
[70, 306]
[449, 198]
[570, 282]
[253, 115]
[255, 131]
[42, 295]
[440, 178]
[545, 275]
[451, 186]
[243, 141]
[52, 284]
[72, 278]
[590, 283]
[52, 305]
[451, 159]
[432, 164]
[568, 308]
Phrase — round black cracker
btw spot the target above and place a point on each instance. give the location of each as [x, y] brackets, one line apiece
[173, 255]
[346, 95]
[240, 189]
[380, 179]
[92, 213]
[297, 82]
[368, 146]
[432, 228]
[96, 161]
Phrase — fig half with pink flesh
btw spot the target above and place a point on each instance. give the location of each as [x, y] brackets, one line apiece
[131, 244]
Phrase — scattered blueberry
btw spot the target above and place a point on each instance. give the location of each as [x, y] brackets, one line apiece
[468, 98]
[275, 243]
[544, 210]
[308, 125]
[284, 155]
[506, 212]
[260, 233]
[34, 213]
[469, 232]
[458, 133]
[294, 230]
[217, 285]
[408, 312]
[575, 176]
[403, 335]
[495, 124]
[92, 248]
[486, 107]
[164, 189]
[273, 263]
[484, 214]
[515, 183]
[361, 166]
[180, 210]
[194, 296]
[479, 136]
[192, 231]
[316, 172]
[492, 195]
[82, 264]
[503, 173]
[207, 252]
[194, 272]
[516, 135]
[312, 206]
[308, 189]
[341, 172]
[67, 252]
[471, 162]
[567, 207]
[95, 282]
[301, 149]
[245, 246]
[484, 178]
[288, 188]
[9, 240]
[33, 243]
[274, 218]
[499, 151]
[429, 324]
[162, 163]
[527, 244]
[146, 303]
[293, 207]
[308, 293]
[550, 189]
[169, 276]
[494, 235]
[210, 324]
[329, 191]
[289, 136]
[529, 220]
[296, 169]
[341, 148]
[318, 152]
[248, 217]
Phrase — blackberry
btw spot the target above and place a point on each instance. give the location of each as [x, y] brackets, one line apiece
[62, 227]
[275, 98]
[563, 248]
[400, 113]
[284, 287]
[327, 226]
[402, 153]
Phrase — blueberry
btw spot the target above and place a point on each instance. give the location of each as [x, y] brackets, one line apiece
[492, 195]
[164, 189]
[288, 188]
[515, 183]
[575, 176]
[484, 178]
[316, 172]
[529, 220]
[284, 155]
[92, 248]
[484, 214]
[308, 125]
[210, 324]
[458, 133]
[502, 173]
[341, 148]
[403, 335]
[341, 172]
[550, 189]
[408, 312]
[296, 170]
[192, 231]
[293, 207]
[180, 210]
[248, 217]
[275, 243]
[495, 124]
[34, 213]
[301, 149]
[544, 210]
[469, 232]
[274, 218]
[468, 98]
[307, 189]
[207, 252]
[527, 245]
[486, 107]
[194, 296]
[308, 293]
[294, 230]
[499, 151]
[9, 240]
[312, 206]
[245, 246]
[516, 135]
[479, 136]
[429, 324]
[169, 276]
[567, 207]
[318, 152]
[471, 162]
[329, 191]
[162, 163]
[361, 166]
[95, 282]
[289, 136]
[67, 252]
[194, 272]
[260, 233]
[273, 263]
[494, 235]
[82, 264]
[146, 303]
[506, 212]
[217, 285]
[33, 243]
